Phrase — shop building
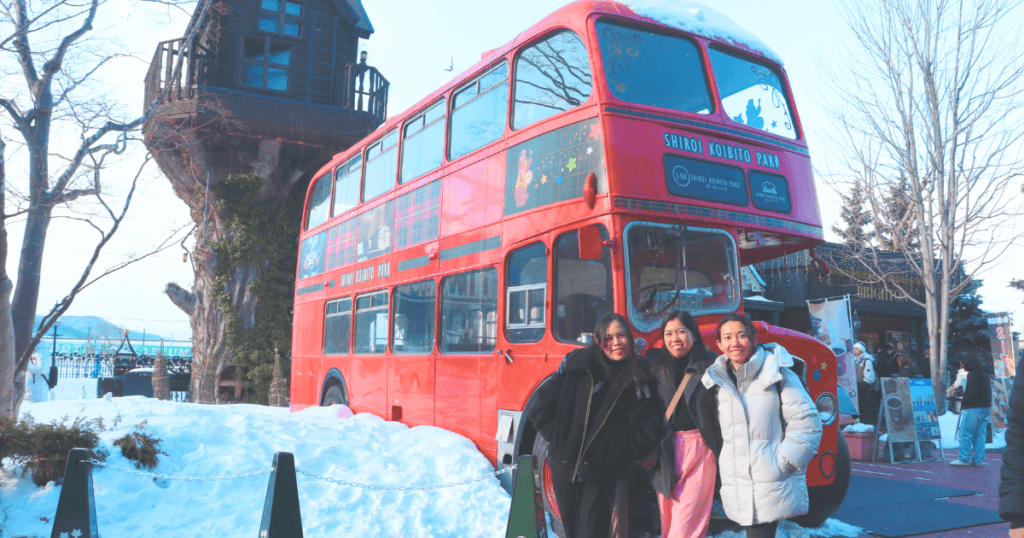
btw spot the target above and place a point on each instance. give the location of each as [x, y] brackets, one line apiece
[777, 292]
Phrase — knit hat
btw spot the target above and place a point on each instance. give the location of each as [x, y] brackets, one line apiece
[861, 347]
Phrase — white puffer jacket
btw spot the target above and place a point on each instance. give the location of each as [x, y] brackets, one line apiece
[758, 439]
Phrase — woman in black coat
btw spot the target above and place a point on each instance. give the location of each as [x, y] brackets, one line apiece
[597, 414]
[1011, 476]
[684, 475]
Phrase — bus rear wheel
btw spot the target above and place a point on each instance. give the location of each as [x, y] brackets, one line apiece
[825, 500]
[542, 478]
[334, 396]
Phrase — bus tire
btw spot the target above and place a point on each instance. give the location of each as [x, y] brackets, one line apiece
[334, 396]
[825, 500]
[542, 478]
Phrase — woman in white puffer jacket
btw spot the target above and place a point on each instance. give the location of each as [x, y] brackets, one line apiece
[770, 429]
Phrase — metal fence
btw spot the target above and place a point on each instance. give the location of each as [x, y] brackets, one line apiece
[76, 366]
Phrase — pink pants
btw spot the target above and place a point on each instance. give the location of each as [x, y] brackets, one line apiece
[688, 512]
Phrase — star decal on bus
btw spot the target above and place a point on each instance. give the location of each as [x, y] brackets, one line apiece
[572, 164]
[595, 131]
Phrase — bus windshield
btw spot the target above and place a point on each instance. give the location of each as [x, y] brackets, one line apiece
[653, 69]
[678, 268]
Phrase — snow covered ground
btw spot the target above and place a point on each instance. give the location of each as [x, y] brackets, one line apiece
[214, 441]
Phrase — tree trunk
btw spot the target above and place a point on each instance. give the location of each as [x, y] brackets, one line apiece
[195, 165]
[7, 355]
[26, 294]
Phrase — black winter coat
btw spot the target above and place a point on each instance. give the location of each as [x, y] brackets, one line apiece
[626, 427]
[1011, 476]
[701, 402]
[978, 392]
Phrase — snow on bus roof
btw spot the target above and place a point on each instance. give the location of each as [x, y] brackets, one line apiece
[699, 19]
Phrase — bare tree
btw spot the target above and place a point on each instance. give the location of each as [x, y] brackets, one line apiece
[929, 126]
[59, 99]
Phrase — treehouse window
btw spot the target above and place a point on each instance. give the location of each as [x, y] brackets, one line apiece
[266, 63]
[281, 17]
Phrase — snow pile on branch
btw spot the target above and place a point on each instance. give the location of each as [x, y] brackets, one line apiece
[699, 19]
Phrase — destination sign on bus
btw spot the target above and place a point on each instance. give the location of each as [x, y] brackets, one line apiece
[723, 151]
[702, 180]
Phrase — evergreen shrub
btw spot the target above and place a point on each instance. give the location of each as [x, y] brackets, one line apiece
[42, 449]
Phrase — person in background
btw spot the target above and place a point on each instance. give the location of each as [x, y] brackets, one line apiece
[956, 389]
[598, 415]
[867, 384]
[907, 366]
[974, 411]
[770, 429]
[1011, 475]
[684, 474]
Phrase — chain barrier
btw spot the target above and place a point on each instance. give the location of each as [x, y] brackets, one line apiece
[155, 476]
[407, 488]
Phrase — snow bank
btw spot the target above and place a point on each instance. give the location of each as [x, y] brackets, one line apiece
[858, 427]
[947, 424]
[700, 19]
[202, 440]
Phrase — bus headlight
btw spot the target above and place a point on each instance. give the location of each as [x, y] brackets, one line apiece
[828, 407]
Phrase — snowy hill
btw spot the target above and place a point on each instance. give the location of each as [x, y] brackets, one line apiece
[92, 327]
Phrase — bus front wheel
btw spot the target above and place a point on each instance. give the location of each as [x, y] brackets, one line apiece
[825, 500]
[542, 478]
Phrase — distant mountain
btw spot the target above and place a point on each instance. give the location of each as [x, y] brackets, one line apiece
[92, 327]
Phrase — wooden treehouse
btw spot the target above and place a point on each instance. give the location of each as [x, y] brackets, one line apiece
[284, 70]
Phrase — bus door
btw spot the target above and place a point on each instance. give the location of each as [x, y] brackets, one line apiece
[469, 308]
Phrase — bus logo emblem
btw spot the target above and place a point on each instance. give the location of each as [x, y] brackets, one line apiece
[681, 176]
[768, 188]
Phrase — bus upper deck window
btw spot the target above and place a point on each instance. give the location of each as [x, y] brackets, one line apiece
[551, 76]
[381, 166]
[752, 94]
[423, 142]
[478, 112]
[653, 69]
[319, 202]
[346, 184]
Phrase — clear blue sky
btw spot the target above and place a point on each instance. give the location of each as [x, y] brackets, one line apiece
[415, 41]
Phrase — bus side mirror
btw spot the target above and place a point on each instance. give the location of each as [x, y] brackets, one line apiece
[590, 243]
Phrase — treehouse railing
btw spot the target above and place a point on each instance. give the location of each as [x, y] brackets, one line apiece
[364, 89]
[179, 79]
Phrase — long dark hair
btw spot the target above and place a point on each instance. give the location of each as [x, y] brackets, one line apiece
[601, 330]
[691, 325]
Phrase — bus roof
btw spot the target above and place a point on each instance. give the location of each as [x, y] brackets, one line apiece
[680, 15]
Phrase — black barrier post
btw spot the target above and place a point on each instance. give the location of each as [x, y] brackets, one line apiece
[526, 515]
[281, 517]
[76, 508]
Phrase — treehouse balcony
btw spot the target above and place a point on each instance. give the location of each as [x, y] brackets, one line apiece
[267, 94]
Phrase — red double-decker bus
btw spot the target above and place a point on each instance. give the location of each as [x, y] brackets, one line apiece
[603, 161]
